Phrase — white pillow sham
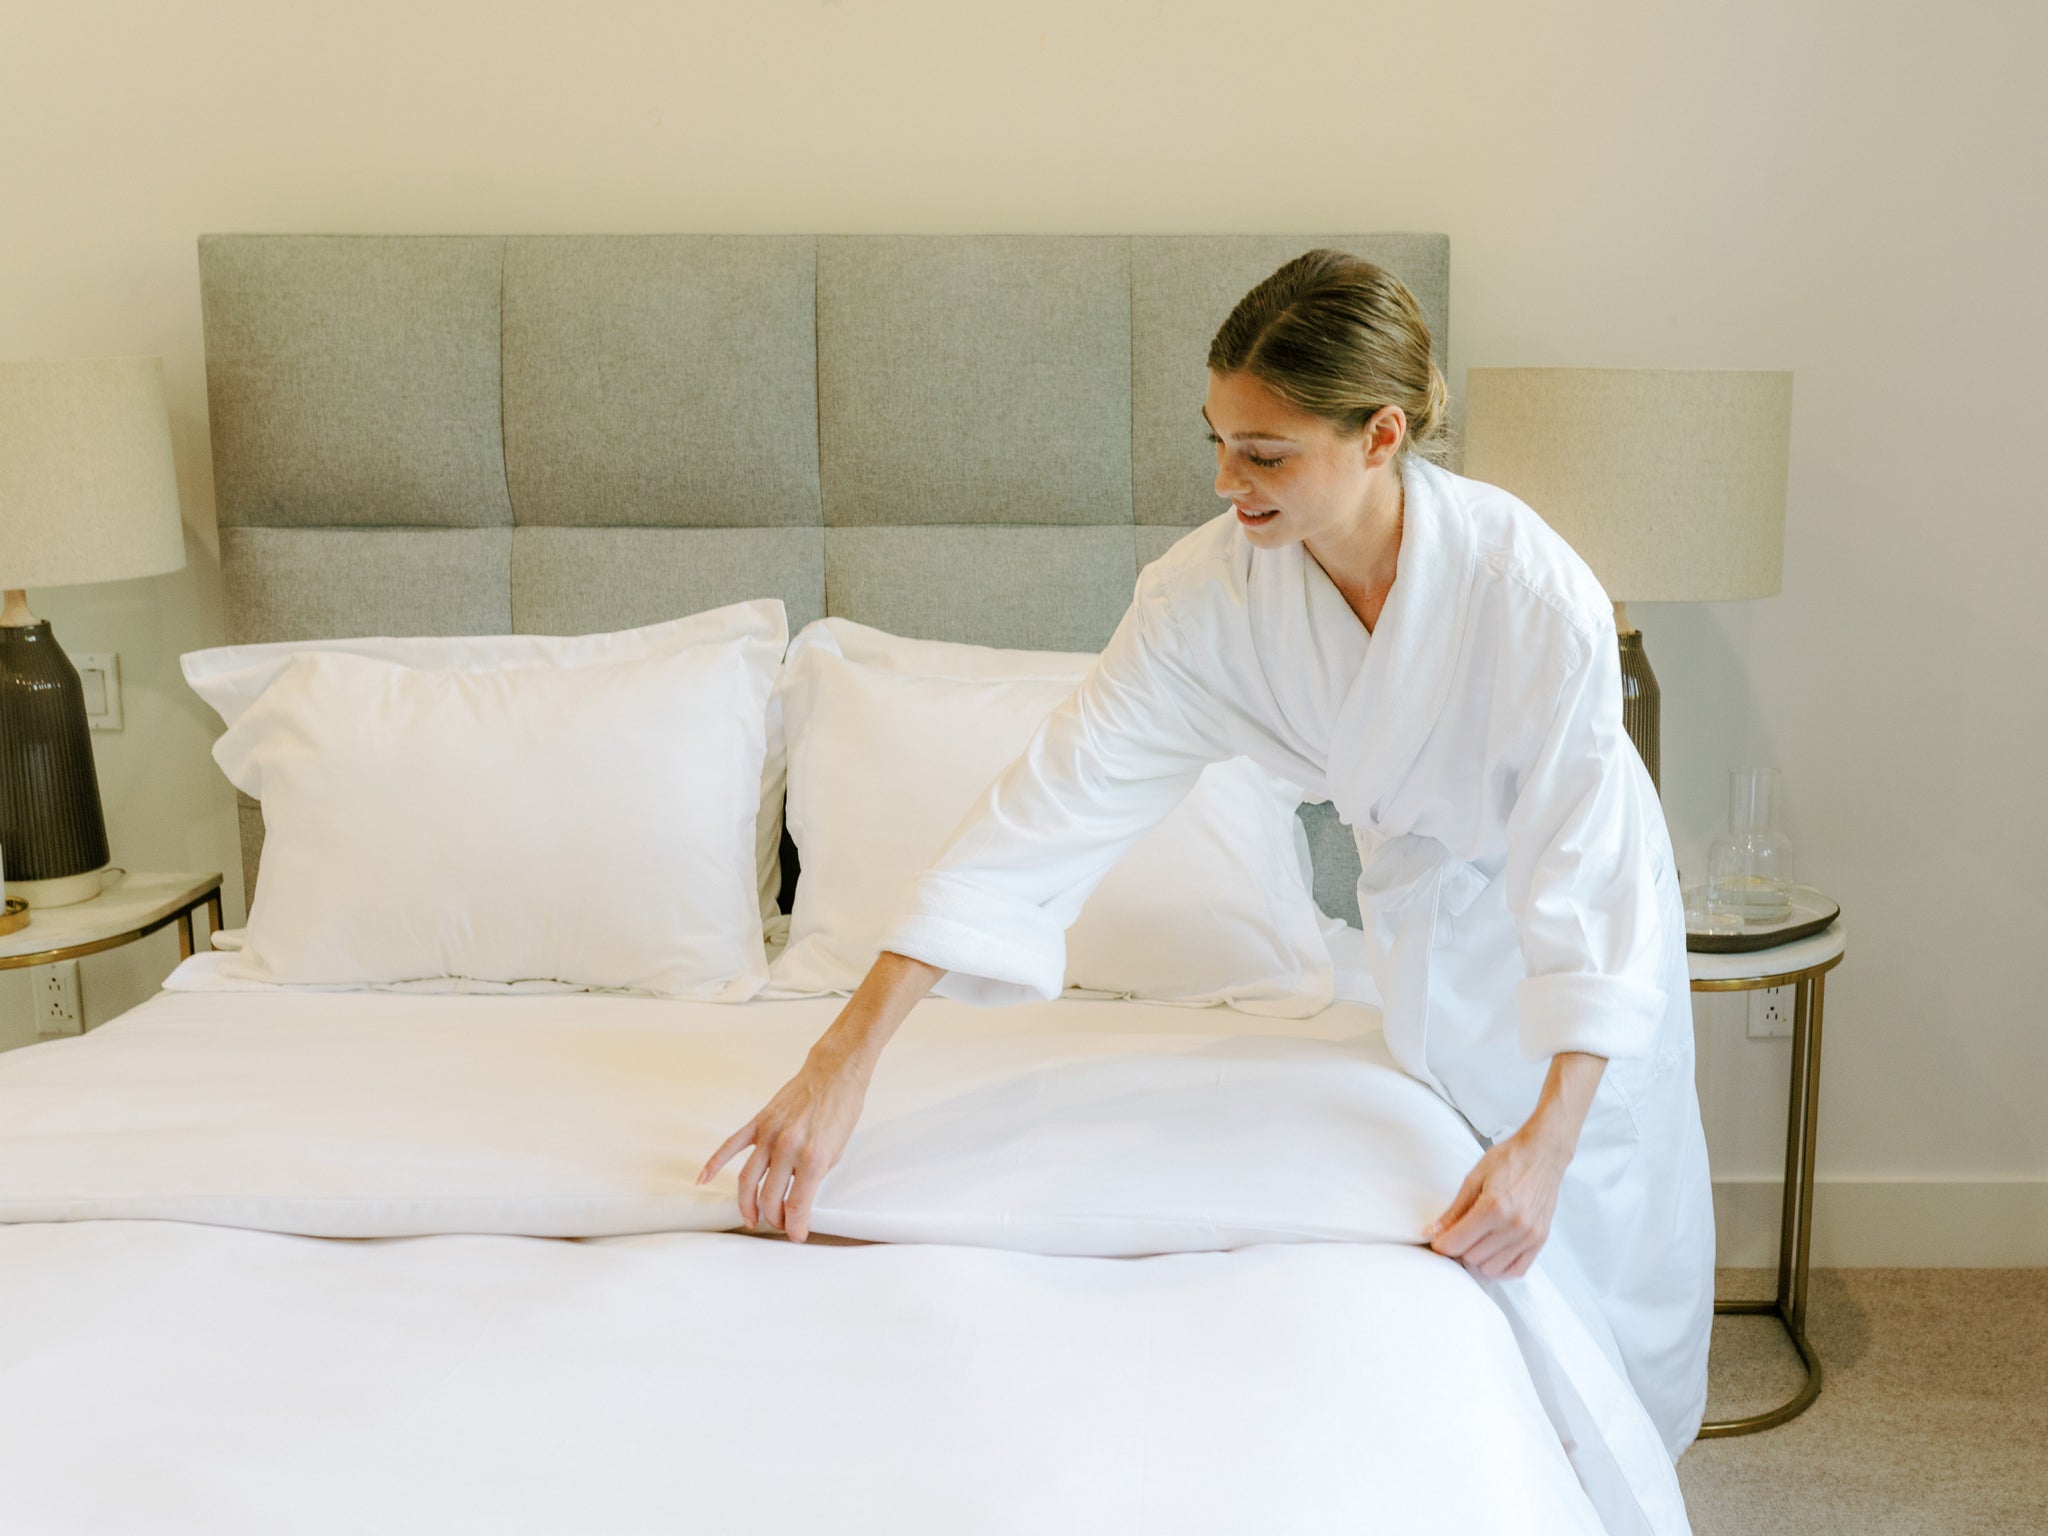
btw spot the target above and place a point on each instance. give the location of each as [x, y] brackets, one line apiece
[873, 647]
[590, 824]
[886, 758]
[231, 677]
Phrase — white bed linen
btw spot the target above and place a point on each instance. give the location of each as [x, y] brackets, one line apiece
[192, 1381]
[887, 756]
[592, 824]
[1069, 1127]
[1073, 1126]
[231, 678]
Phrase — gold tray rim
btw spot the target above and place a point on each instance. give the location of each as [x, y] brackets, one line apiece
[1698, 943]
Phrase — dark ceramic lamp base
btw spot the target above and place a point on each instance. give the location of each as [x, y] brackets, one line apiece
[53, 836]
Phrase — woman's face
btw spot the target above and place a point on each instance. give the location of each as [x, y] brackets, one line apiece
[1291, 475]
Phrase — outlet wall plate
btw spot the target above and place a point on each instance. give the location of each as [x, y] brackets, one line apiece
[54, 989]
[1770, 1013]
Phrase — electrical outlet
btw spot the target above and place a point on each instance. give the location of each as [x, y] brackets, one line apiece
[55, 989]
[1770, 1013]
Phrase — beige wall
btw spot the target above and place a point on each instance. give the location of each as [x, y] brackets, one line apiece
[1849, 190]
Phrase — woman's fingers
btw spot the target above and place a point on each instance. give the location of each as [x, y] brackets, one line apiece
[774, 1187]
[1461, 1228]
[1463, 1238]
[744, 1136]
[797, 1139]
[803, 1189]
[1468, 1192]
[796, 1222]
[750, 1185]
[1511, 1261]
[1491, 1250]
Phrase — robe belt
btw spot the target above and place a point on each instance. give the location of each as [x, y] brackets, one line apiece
[1404, 883]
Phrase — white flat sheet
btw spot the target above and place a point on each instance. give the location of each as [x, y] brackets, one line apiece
[1082, 1127]
[1070, 1128]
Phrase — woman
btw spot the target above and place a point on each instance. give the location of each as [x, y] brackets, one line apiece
[1421, 649]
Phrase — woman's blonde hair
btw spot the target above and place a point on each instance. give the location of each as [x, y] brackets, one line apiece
[1339, 337]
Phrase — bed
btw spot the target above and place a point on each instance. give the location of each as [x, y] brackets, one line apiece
[279, 1257]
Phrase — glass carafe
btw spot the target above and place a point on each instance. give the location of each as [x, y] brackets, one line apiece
[1749, 867]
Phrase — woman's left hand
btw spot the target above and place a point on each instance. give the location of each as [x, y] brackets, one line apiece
[1501, 1218]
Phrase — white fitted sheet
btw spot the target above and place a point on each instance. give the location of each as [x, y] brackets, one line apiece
[162, 1171]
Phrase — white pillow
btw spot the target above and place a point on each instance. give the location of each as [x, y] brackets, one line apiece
[231, 677]
[885, 761]
[940, 658]
[590, 824]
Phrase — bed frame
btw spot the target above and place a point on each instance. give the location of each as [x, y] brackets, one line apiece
[960, 437]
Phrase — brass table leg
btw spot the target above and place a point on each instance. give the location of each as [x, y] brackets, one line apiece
[1795, 1231]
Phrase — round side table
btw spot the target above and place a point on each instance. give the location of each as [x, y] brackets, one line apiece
[1802, 965]
[134, 906]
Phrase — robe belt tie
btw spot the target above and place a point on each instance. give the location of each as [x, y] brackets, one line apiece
[1400, 869]
[1404, 883]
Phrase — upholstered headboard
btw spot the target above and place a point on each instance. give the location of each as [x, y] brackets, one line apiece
[976, 438]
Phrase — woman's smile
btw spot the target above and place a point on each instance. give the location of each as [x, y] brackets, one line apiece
[1255, 519]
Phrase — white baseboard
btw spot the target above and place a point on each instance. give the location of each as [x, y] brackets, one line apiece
[1904, 1223]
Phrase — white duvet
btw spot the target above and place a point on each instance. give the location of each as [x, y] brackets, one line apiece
[184, 1347]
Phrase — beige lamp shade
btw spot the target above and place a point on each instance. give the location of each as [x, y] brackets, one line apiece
[87, 488]
[1670, 483]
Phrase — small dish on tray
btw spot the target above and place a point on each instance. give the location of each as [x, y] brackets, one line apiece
[1710, 935]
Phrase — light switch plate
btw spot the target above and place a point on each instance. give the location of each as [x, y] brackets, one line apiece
[100, 675]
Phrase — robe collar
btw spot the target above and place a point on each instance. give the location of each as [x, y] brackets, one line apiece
[1366, 704]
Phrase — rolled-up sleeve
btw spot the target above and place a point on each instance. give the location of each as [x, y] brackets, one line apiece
[1582, 870]
[1102, 770]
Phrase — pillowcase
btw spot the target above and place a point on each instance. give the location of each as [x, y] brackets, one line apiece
[590, 824]
[232, 677]
[873, 647]
[889, 751]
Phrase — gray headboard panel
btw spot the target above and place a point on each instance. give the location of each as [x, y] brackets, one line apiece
[975, 437]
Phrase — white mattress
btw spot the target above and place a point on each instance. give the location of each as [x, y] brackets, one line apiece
[176, 1355]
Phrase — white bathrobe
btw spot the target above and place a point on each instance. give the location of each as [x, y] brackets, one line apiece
[1519, 894]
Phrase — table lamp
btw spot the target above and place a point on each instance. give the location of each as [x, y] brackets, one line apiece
[1670, 484]
[87, 494]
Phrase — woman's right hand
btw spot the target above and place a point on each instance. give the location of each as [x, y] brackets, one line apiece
[797, 1139]
[799, 1135]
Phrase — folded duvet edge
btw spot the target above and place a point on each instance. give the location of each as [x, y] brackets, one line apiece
[349, 1216]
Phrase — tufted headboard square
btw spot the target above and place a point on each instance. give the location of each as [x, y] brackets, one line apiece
[963, 437]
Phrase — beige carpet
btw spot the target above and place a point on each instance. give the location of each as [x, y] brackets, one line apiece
[1933, 1413]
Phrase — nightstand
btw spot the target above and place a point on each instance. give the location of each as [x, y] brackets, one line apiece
[1802, 965]
[131, 908]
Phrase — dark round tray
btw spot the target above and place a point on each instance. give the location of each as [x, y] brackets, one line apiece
[1811, 912]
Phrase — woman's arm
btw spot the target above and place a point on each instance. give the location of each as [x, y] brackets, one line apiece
[1500, 1219]
[1582, 884]
[990, 916]
[798, 1138]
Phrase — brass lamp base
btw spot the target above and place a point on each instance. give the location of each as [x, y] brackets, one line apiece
[1640, 695]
